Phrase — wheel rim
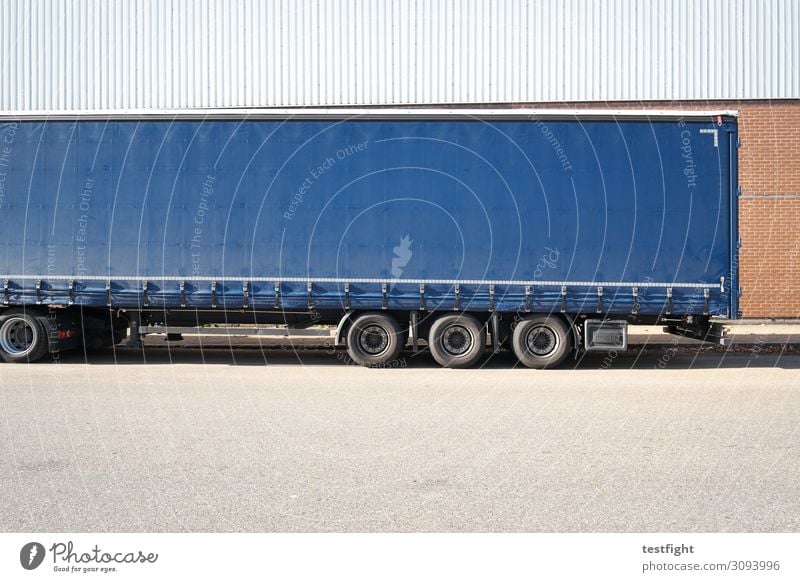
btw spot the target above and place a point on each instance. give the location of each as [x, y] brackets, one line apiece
[18, 337]
[541, 341]
[457, 340]
[374, 340]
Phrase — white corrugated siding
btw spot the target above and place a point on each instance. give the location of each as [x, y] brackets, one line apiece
[130, 54]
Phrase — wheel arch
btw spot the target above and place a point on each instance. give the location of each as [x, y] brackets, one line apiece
[340, 339]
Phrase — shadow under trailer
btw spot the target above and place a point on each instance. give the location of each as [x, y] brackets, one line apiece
[545, 232]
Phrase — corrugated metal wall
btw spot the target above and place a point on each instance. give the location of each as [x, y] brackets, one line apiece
[112, 54]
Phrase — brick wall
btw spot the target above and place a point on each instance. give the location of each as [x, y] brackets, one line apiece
[769, 211]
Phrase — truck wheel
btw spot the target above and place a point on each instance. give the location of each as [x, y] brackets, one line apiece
[457, 341]
[103, 338]
[374, 339]
[541, 341]
[23, 337]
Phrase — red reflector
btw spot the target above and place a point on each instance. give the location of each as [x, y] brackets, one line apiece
[65, 333]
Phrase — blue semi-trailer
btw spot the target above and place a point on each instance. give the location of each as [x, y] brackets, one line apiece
[455, 231]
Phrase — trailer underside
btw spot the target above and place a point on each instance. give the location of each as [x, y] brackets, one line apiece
[372, 338]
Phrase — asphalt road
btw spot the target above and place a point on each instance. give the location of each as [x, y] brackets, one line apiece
[210, 440]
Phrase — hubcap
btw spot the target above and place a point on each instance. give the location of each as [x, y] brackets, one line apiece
[541, 341]
[374, 339]
[457, 340]
[17, 337]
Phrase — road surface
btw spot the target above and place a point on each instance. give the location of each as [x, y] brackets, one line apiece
[213, 440]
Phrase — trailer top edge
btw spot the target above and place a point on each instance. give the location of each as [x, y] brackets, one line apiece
[411, 114]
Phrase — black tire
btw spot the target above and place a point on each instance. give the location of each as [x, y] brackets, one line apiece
[101, 330]
[541, 341]
[23, 336]
[104, 338]
[100, 340]
[457, 340]
[374, 339]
